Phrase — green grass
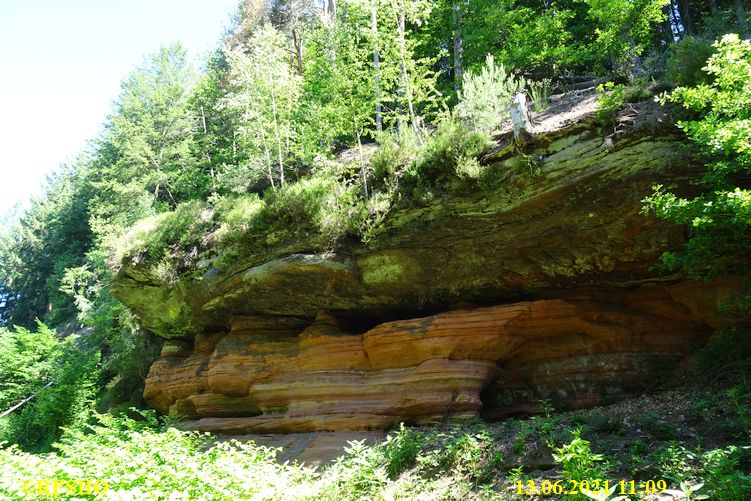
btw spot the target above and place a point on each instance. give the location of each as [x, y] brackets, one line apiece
[314, 213]
[142, 457]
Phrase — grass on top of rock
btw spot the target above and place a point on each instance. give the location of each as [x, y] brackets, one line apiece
[315, 213]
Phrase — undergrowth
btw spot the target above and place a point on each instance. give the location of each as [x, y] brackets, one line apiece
[314, 213]
[141, 457]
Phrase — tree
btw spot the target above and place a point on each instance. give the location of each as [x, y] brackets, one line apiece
[457, 18]
[485, 97]
[263, 92]
[719, 219]
[624, 27]
[50, 236]
[215, 140]
[151, 127]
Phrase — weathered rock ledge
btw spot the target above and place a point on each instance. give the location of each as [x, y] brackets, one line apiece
[553, 274]
[576, 349]
[567, 215]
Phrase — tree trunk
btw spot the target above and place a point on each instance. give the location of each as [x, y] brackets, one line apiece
[457, 18]
[740, 17]
[329, 12]
[332, 9]
[686, 14]
[207, 154]
[268, 156]
[676, 23]
[376, 65]
[363, 172]
[297, 47]
[406, 90]
[277, 136]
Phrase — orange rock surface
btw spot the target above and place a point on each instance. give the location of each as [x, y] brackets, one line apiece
[577, 349]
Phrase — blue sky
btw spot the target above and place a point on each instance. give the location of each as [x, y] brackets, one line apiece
[61, 62]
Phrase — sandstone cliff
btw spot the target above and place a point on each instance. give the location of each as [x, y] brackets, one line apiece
[473, 303]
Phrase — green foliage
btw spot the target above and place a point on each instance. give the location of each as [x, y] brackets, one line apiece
[578, 461]
[726, 358]
[485, 97]
[318, 211]
[36, 249]
[609, 100]
[361, 473]
[139, 460]
[686, 60]
[146, 149]
[447, 159]
[719, 220]
[447, 149]
[624, 27]
[130, 352]
[716, 470]
[169, 234]
[658, 427]
[397, 149]
[319, 207]
[526, 37]
[539, 93]
[601, 423]
[474, 455]
[521, 438]
[26, 362]
[61, 374]
[401, 450]
[237, 156]
[264, 93]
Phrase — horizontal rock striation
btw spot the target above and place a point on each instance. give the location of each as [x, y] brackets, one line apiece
[298, 338]
[576, 349]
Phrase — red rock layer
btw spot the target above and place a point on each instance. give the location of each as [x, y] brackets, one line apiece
[576, 349]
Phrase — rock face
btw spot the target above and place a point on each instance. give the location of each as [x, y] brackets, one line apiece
[576, 349]
[474, 303]
[568, 214]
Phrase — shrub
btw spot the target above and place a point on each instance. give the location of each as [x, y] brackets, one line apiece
[446, 156]
[726, 358]
[237, 216]
[170, 238]
[397, 149]
[140, 460]
[451, 145]
[718, 469]
[609, 100]
[360, 474]
[28, 361]
[686, 61]
[473, 455]
[401, 449]
[520, 440]
[315, 206]
[718, 219]
[485, 97]
[722, 475]
[658, 428]
[76, 378]
[578, 460]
